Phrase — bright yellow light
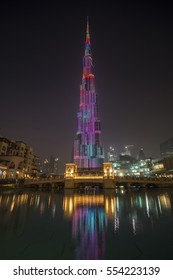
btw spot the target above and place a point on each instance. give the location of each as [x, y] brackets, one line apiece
[12, 206]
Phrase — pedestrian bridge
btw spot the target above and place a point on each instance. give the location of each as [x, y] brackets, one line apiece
[78, 178]
[63, 182]
[75, 177]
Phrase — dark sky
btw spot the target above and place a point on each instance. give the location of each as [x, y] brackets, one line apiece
[41, 50]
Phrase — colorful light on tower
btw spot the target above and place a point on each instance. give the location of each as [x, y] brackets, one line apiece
[88, 150]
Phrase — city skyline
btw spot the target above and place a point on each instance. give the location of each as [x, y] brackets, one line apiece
[41, 72]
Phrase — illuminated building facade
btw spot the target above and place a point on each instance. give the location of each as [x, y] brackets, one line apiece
[166, 148]
[17, 160]
[88, 150]
[111, 154]
[54, 165]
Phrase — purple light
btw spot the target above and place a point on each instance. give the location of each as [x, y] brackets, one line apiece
[88, 150]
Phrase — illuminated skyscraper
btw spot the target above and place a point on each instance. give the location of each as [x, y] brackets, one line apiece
[111, 155]
[88, 151]
[166, 148]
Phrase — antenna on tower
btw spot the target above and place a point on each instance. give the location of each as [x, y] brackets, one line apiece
[87, 29]
[87, 24]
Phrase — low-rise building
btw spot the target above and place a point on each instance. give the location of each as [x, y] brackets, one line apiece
[17, 160]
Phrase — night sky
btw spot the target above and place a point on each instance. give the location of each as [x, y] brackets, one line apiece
[41, 68]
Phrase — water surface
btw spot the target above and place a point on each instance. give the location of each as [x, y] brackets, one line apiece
[118, 224]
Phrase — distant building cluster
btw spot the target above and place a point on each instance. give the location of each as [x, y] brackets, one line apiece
[17, 160]
[50, 167]
[126, 165]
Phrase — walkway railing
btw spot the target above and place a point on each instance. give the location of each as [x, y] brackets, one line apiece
[88, 178]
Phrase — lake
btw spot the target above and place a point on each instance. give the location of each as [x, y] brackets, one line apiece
[70, 224]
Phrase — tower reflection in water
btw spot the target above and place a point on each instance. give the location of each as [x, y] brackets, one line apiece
[128, 212]
[89, 222]
[89, 225]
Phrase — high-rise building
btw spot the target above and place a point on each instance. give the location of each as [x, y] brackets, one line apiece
[127, 150]
[88, 150]
[166, 148]
[141, 155]
[54, 165]
[45, 167]
[111, 155]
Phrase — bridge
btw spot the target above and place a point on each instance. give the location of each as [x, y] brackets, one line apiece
[105, 179]
[97, 181]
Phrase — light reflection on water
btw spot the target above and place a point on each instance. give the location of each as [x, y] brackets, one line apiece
[88, 224]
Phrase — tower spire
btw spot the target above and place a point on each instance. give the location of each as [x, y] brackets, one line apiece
[87, 43]
[87, 31]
